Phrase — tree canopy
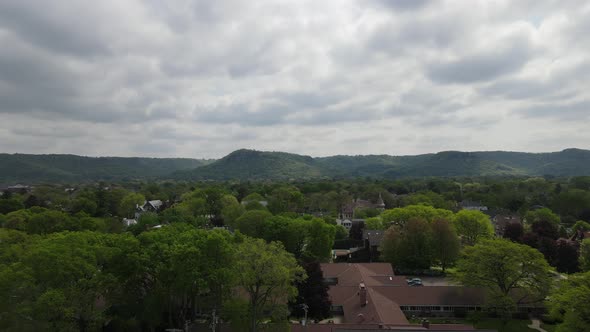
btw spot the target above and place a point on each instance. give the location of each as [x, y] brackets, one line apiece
[510, 272]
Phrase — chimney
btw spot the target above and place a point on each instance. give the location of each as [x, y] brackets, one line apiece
[363, 294]
[425, 323]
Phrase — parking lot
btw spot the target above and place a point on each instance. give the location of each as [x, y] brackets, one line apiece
[435, 281]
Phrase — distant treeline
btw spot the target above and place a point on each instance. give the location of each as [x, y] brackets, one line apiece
[258, 165]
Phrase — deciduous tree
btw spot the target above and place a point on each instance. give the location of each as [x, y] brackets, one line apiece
[267, 273]
[445, 242]
[585, 255]
[312, 292]
[473, 226]
[400, 216]
[510, 272]
[569, 303]
[409, 247]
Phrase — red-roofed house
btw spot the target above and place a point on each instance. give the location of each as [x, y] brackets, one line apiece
[370, 293]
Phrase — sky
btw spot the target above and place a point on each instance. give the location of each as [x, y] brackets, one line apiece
[200, 79]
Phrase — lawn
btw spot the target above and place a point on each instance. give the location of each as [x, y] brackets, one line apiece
[549, 327]
[514, 325]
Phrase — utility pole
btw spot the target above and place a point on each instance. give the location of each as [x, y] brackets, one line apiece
[213, 321]
[305, 309]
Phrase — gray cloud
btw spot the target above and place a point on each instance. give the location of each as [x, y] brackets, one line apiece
[266, 115]
[481, 66]
[201, 78]
[403, 4]
[53, 25]
[568, 111]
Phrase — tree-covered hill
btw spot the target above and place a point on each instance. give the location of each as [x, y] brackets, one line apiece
[28, 168]
[258, 165]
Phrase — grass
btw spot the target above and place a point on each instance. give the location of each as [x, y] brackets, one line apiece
[549, 327]
[514, 325]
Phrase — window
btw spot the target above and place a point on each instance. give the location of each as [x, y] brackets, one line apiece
[337, 310]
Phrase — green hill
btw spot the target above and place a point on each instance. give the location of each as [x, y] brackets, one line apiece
[258, 165]
[28, 168]
[255, 165]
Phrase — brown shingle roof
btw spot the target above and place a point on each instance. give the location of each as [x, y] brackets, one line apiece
[377, 327]
[433, 295]
[387, 292]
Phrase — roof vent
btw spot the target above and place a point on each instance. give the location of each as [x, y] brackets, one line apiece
[362, 294]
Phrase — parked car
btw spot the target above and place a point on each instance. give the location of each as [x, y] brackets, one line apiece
[414, 282]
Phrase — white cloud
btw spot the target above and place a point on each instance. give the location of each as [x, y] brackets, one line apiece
[202, 78]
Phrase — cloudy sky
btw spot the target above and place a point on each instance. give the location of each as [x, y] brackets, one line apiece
[199, 79]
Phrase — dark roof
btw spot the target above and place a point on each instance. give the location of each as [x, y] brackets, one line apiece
[374, 236]
[434, 295]
[381, 327]
[386, 292]
[361, 327]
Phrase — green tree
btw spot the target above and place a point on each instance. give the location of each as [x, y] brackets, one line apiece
[544, 214]
[374, 223]
[231, 210]
[572, 202]
[320, 240]
[400, 216]
[409, 247]
[8, 205]
[569, 303]
[585, 255]
[445, 242]
[83, 204]
[285, 199]
[146, 221]
[473, 226]
[341, 233]
[292, 233]
[312, 292]
[427, 198]
[51, 221]
[213, 202]
[267, 273]
[187, 270]
[129, 203]
[17, 220]
[581, 225]
[70, 272]
[511, 273]
[252, 223]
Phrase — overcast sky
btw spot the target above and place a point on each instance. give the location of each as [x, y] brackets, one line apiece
[203, 78]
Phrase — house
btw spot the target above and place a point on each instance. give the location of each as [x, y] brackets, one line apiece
[152, 206]
[348, 210]
[148, 206]
[330, 327]
[128, 222]
[472, 205]
[372, 240]
[370, 294]
[263, 203]
[501, 220]
[425, 326]
[346, 223]
[18, 189]
[580, 235]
